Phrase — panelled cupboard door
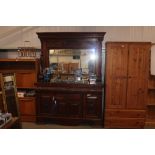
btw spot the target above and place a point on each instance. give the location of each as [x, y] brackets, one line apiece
[116, 74]
[44, 103]
[138, 72]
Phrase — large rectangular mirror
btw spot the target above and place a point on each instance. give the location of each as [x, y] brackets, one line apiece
[67, 64]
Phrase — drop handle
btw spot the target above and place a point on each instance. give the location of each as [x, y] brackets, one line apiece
[53, 99]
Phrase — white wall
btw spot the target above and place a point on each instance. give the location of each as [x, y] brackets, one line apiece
[13, 37]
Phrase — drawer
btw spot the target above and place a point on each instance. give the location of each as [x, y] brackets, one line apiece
[26, 79]
[124, 123]
[74, 96]
[125, 113]
[68, 96]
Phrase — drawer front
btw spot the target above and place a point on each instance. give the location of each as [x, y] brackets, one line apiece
[125, 113]
[73, 97]
[26, 79]
[124, 123]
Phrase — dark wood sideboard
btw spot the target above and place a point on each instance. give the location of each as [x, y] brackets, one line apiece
[69, 103]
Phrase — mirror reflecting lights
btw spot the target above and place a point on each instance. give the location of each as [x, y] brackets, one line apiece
[72, 64]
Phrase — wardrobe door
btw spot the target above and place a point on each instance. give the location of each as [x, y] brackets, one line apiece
[116, 74]
[138, 71]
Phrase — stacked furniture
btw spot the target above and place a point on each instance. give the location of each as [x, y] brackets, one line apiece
[150, 114]
[26, 71]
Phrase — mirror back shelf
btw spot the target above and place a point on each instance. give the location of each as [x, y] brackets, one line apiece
[58, 46]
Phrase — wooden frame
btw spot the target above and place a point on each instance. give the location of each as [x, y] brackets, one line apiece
[9, 93]
[71, 40]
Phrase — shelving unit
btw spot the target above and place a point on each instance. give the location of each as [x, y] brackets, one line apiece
[150, 116]
[26, 71]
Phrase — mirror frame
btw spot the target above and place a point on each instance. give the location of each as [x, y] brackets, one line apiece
[71, 40]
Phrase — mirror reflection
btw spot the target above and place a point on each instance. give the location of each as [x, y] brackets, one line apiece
[72, 65]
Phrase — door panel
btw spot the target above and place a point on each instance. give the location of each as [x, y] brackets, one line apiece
[138, 71]
[27, 106]
[69, 104]
[137, 93]
[116, 74]
[45, 104]
[75, 109]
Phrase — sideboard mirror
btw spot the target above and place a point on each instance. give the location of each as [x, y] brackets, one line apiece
[68, 60]
[67, 52]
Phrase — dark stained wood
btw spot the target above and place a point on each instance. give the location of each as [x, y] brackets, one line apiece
[69, 104]
[71, 40]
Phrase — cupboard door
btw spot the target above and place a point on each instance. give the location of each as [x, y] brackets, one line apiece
[138, 71]
[68, 105]
[60, 104]
[75, 109]
[75, 105]
[27, 109]
[116, 74]
[93, 106]
[44, 104]
[27, 106]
